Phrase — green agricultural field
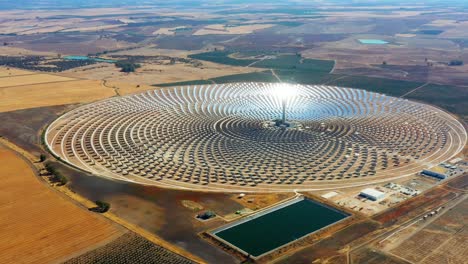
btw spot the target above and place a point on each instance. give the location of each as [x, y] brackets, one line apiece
[221, 57]
[280, 62]
[429, 31]
[295, 62]
[265, 76]
[194, 82]
[379, 85]
[289, 68]
[305, 77]
[452, 98]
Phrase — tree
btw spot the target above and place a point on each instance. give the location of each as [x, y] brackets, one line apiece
[206, 215]
[56, 176]
[102, 207]
[126, 66]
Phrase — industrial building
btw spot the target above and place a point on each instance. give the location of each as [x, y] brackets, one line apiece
[372, 194]
[434, 174]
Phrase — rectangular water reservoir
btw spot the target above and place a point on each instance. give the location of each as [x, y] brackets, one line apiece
[263, 232]
[373, 41]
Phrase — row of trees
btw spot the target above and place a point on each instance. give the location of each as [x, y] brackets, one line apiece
[451, 63]
[39, 63]
[56, 176]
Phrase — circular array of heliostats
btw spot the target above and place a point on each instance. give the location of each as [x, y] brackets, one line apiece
[223, 137]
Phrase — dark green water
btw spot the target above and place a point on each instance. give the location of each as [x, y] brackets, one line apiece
[279, 227]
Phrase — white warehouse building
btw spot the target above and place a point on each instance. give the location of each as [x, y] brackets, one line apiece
[372, 194]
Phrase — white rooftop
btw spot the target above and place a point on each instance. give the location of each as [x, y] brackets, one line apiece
[456, 160]
[329, 195]
[372, 192]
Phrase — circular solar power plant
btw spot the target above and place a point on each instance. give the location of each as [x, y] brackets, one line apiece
[255, 137]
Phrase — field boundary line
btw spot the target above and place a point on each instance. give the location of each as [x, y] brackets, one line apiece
[335, 79]
[33, 159]
[421, 86]
[13, 86]
[93, 247]
[274, 75]
[253, 63]
[399, 257]
[19, 75]
[333, 69]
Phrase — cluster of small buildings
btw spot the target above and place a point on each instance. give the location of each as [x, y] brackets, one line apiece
[402, 189]
[392, 193]
[376, 195]
[444, 170]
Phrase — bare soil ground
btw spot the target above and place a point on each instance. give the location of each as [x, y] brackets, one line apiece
[372, 256]
[415, 206]
[330, 247]
[38, 223]
[23, 126]
[256, 201]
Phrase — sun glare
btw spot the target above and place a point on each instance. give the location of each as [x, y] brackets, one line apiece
[284, 91]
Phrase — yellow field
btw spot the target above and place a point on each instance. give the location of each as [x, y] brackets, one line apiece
[32, 79]
[95, 28]
[166, 31]
[4, 72]
[38, 225]
[152, 73]
[222, 29]
[49, 94]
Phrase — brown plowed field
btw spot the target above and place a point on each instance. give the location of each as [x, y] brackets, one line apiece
[38, 225]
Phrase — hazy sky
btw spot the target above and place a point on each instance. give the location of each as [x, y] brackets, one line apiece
[57, 4]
